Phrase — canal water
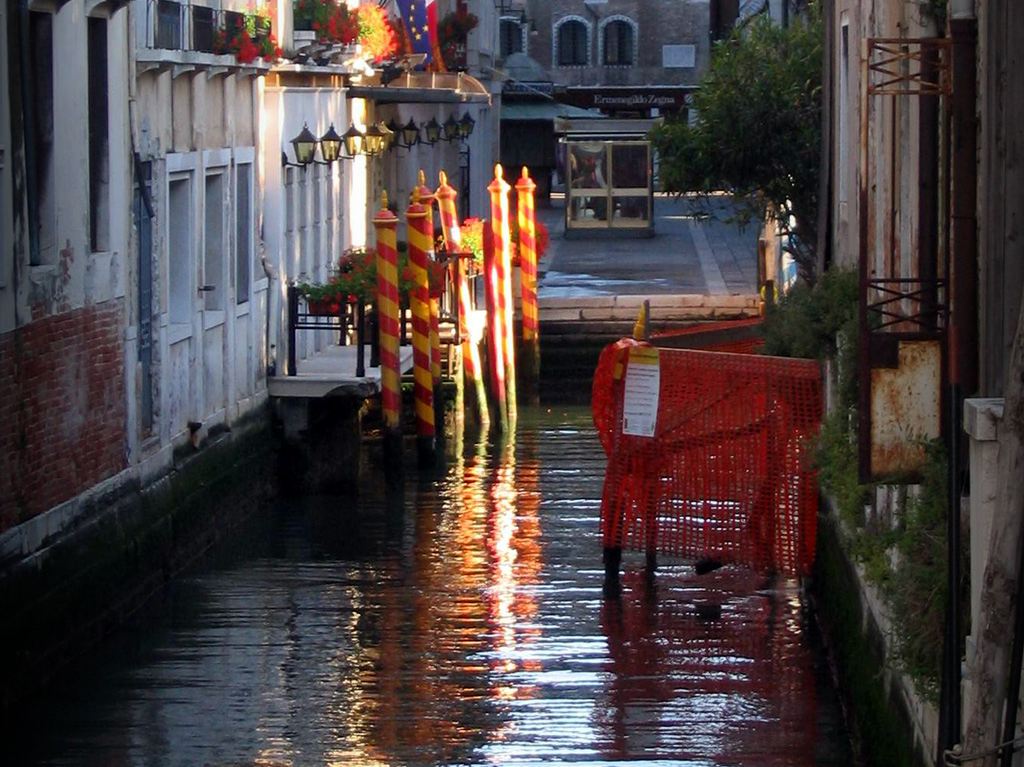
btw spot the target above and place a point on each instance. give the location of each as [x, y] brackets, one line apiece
[460, 621]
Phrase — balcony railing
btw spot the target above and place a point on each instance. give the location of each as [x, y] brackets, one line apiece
[176, 26]
[204, 28]
[170, 25]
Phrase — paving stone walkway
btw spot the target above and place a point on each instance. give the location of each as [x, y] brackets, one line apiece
[695, 251]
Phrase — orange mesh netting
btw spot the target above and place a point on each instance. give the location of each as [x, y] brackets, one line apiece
[737, 336]
[727, 474]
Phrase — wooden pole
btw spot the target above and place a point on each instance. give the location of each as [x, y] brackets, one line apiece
[420, 227]
[386, 224]
[501, 239]
[1000, 592]
[525, 189]
[435, 365]
[495, 335]
[471, 365]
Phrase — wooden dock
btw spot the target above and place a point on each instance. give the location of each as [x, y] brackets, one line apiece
[332, 373]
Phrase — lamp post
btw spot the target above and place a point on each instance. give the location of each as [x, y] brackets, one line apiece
[466, 125]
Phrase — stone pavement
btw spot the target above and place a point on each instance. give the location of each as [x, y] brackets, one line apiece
[691, 254]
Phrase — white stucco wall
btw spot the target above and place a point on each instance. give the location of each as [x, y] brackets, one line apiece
[199, 123]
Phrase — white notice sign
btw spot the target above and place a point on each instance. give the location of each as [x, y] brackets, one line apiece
[640, 402]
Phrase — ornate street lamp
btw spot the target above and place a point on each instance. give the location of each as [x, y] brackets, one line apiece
[374, 140]
[304, 145]
[466, 125]
[433, 131]
[330, 145]
[396, 133]
[354, 141]
[410, 134]
[451, 128]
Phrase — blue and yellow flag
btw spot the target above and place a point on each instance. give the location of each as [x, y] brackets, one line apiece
[419, 17]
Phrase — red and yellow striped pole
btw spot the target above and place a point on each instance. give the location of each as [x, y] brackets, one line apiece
[525, 189]
[386, 224]
[427, 197]
[419, 224]
[472, 369]
[501, 238]
[495, 331]
[435, 342]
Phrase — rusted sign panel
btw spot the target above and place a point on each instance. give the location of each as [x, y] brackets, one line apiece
[905, 409]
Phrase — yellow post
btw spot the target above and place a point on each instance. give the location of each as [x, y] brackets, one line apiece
[386, 224]
[420, 227]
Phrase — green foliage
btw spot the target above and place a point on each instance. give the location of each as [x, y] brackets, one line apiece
[837, 468]
[816, 323]
[906, 560]
[917, 589]
[758, 129]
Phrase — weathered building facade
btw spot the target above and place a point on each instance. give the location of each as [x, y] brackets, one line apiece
[65, 233]
[924, 194]
[151, 221]
[198, 325]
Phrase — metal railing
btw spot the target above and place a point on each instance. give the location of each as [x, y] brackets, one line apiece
[171, 25]
[302, 315]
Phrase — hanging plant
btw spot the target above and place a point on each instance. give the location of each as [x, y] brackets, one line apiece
[473, 231]
[356, 277]
[452, 32]
[456, 26]
[376, 33]
[330, 20]
[251, 38]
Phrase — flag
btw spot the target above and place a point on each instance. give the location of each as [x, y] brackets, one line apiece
[419, 18]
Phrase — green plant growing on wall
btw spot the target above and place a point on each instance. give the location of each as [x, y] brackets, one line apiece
[917, 589]
[757, 134]
[819, 322]
[906, 560]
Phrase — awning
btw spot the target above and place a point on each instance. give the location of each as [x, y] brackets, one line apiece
[610, 128]
[423, 87]
[519, 111]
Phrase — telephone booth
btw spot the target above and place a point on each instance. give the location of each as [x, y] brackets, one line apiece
[608, 178]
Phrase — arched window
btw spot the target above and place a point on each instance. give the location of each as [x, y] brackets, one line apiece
[572, 44]
[510, 33]
[618, 43]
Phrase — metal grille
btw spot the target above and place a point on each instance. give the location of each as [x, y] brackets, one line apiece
[908, 67]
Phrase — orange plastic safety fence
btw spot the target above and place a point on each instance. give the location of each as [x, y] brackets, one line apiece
[737, 336]
[727, 474]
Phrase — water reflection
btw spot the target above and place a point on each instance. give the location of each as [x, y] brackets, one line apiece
[457, 620]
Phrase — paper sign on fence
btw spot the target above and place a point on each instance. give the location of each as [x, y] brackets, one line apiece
[640, 401]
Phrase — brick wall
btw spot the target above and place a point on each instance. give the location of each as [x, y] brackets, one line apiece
[659, 23]
[62, 409]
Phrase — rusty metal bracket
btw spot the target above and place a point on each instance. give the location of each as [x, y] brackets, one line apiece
[899, 302]
[902, 66]
[910, 305]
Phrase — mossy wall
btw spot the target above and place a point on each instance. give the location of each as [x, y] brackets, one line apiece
[64, 599]
[881, 722]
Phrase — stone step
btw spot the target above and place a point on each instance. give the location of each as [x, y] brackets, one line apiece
[663, 308]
